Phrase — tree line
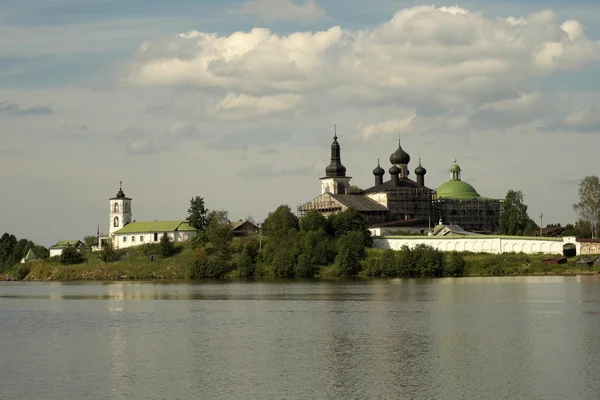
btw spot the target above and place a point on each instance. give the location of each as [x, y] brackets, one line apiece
[12, 250]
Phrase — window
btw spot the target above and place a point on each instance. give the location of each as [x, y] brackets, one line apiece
[124, 239]
[141, 238]
[133, 238]
[116, 207]
[116, 222]
[155, 237]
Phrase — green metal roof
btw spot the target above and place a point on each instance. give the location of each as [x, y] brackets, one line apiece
[30, 256]
[64, 243]
[455, 189]
[156, 226]
[455, 167]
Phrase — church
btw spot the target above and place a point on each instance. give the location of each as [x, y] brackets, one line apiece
[403, 204]
[124, 232]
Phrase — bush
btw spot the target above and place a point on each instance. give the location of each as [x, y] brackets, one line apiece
[351, 251]
[305, 268]
[455, 265]
[208, 267]
[166, 248]
[71, 256]
[246, 265]
[284, 264]
[108, 253]
[21, 272]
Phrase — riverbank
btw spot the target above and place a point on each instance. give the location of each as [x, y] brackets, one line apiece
[179, 266]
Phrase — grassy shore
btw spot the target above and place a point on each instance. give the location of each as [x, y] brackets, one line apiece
[139, 267]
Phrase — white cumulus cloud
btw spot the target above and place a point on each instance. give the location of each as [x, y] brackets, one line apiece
[423, 55]
[391, 126]
[237, 106]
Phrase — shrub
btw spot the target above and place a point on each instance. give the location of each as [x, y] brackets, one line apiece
[208, 267]
[71, 256]
[455, 265]
[284, 264]
[305, 268]
[350, 251]
[21, 272]
[166, 247]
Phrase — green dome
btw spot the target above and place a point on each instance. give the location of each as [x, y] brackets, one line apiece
[456, 189]
[455, 167]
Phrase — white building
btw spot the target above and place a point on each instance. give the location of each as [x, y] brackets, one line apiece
[124, 233]
[58, 248]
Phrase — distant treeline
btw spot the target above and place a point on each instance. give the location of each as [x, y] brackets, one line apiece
[12, 250]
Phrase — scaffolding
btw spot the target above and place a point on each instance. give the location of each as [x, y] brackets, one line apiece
[477, 215]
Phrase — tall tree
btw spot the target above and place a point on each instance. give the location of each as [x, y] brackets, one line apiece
[513, 218]
[219, 234]
[280, 221]
[588, 207]
[198, 213]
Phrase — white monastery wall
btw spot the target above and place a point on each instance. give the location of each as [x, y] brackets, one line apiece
[479, 244]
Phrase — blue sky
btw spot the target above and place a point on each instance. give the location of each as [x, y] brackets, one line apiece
[93, 92]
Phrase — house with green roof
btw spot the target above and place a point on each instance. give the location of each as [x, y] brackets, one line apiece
[58, 248]
[125, 232]
[138, 233]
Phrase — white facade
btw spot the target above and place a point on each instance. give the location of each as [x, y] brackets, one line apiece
[55, 252]
[125, 240]
[120, 213]
[335, 185]
[482, 244]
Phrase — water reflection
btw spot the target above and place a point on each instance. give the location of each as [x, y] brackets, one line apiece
[467, 338]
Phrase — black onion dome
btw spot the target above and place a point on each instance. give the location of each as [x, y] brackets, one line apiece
[400, 156]
[378, 171]
[395, 170]
[335, 168]
[120, 193]
[420, 170]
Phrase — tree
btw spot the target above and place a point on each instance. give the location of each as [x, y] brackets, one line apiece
[71, 256]
[280, 221]
[219, 234]
[588, 207]
[350, 220]
[354, 189]
[108, 252]
[314, 221]
[513, 218]
[351, 250]
[166, 248]
[90, 241]
[198, 213]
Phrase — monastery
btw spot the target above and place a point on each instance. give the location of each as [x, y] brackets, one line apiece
[402, 204]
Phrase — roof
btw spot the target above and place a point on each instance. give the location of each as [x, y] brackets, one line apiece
[30, 256]
[236, 224]
[453, 230]
[551, 231]
[421, 223]
[455, 189]
[156, 226]
[64, 243]
[586, 260]
[358, 202]
[389, 185]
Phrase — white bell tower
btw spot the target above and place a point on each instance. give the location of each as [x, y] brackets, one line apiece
[120, 211]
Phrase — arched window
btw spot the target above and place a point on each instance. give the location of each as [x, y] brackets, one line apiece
[116, 208]
[116, 223]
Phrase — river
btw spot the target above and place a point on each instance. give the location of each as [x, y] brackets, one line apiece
[465, 338]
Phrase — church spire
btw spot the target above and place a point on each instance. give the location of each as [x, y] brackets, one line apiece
[335, 167]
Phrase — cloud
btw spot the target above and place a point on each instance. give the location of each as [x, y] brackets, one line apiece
[282, 10]
[12, 109]
[180, 130]
[423, 56]
[266, 171]
[137, 141]
[586, 120]
[269, 151]
[391, 126]
[237, 106]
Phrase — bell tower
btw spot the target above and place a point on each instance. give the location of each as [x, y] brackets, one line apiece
[335, 180]
[120, 211]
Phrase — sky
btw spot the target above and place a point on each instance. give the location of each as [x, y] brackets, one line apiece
[236, 102]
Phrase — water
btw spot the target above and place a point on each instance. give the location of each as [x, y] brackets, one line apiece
[470, 338]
